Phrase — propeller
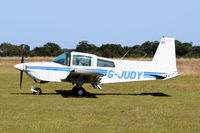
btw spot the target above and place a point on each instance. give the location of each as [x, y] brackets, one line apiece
[21, 72]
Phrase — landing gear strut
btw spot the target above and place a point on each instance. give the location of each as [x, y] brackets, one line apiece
[78, 91]
[36, 91]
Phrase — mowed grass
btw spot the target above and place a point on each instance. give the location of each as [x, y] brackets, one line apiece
[171, 106]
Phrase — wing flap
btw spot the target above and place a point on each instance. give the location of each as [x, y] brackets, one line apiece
[84, 75]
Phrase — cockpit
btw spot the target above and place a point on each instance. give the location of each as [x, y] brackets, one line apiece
[83, 59]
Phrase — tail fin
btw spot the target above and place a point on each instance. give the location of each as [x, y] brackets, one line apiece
[165, 57]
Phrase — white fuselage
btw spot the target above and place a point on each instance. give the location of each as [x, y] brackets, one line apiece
[109, 70]
[124, 71]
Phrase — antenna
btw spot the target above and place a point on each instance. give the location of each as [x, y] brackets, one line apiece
[143, 56]
[125, 55]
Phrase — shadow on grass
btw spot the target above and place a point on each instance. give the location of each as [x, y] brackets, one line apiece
[155, 94]
[68, 94]
[63, 93]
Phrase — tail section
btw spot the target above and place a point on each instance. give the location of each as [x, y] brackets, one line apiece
[164, 59]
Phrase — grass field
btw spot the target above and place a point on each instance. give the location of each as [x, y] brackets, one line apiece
[171, 106]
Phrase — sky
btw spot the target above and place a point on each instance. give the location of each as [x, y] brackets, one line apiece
[125, 22]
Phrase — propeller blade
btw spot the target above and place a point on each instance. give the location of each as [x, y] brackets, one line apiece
[22, 60]
[21, 77]
[21, 72]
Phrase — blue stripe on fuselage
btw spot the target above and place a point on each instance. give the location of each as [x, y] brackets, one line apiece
[64, 69]
[101, 71]
[152, 74]
[49, 68]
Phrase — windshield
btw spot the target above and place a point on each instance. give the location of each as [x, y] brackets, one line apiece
[61, 59]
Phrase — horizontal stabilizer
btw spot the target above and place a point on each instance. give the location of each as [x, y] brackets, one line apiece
[166, 76]
[174, 75]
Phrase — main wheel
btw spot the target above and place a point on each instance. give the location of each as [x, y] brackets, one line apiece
[38, 91]
[78, 91]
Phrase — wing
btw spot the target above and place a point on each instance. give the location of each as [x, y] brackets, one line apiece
[85, 76]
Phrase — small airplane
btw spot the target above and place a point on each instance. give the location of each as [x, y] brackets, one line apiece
[80, 68]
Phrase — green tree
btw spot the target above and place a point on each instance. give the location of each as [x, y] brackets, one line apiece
[85, 46]
[196, 51]
[49, 49]
[8, 49]
[52, 49]
[137, 51]
[40, 51]
[112, 50]
[182, 49]
[150, 47]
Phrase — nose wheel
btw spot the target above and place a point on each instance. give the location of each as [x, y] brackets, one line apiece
[37, 91]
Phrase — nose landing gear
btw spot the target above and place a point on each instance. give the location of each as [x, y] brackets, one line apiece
[36, 91]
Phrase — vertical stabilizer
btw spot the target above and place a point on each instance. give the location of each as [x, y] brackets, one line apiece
[165, 56]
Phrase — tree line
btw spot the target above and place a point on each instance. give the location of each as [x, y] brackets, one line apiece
[147, 49]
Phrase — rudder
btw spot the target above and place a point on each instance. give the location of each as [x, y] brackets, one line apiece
[165, 57]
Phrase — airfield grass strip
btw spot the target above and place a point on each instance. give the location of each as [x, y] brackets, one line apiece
[170, 106]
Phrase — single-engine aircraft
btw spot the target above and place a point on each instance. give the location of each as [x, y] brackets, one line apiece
[80, 68]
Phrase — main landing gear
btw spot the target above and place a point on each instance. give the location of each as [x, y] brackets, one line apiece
[78, 91]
